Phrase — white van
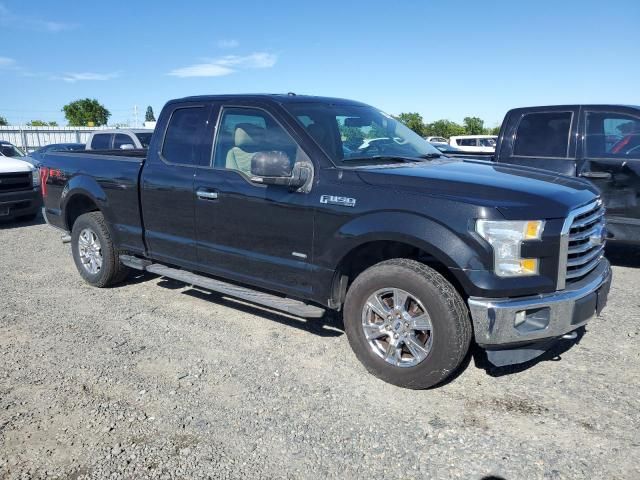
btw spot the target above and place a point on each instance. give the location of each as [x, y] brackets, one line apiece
[474, 143]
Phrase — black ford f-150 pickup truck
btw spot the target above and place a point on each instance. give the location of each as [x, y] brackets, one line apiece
[598, 142]
[305, 204]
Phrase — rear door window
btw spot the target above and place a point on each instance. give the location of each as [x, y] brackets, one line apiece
[184, 135]
[101, 141]
[543, 134]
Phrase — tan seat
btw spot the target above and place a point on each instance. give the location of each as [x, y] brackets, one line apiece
[247, 140]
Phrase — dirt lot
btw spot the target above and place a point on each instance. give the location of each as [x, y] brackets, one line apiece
[155, 379]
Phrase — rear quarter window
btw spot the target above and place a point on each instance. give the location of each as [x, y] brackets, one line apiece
[543, 134]
[183, 136]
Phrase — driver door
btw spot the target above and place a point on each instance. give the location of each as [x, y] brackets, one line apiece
[250, 232]
[612, 159]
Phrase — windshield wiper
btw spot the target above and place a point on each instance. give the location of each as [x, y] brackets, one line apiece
[431, 155]
[383, 158]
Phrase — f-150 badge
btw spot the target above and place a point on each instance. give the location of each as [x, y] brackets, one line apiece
[336, 200]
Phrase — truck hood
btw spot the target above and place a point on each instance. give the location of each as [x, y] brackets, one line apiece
[517, 192]
[12, 165]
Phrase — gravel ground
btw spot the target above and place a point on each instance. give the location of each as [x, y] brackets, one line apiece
[153, 379]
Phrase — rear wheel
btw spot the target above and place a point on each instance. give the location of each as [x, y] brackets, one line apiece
[406, 323]
[94, 253]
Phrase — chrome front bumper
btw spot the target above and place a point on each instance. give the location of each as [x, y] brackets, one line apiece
[518, 321]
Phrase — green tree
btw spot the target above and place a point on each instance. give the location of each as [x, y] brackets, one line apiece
[413, 121]
[474, 126]
[352, 137]
[149, 116]
[82, 112]
[495, 130]
[377, 131]
[41, 123]
[444, 128]
[3, 121]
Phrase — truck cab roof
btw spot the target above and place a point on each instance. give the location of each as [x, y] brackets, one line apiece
[269, 97]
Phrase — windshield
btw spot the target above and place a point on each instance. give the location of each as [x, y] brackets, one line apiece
[145, 139]
[359, 134]
[9, 150]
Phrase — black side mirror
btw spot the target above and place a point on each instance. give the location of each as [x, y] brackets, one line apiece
[272, 164]
[274, 168]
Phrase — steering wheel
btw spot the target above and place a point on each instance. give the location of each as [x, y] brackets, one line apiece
[378, 145]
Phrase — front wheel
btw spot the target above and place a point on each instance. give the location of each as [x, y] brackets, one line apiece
[406, 323]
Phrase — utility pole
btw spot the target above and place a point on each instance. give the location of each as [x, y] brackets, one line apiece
[135, 116]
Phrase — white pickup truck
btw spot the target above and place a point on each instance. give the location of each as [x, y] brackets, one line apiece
[120, 139]
[19, 185]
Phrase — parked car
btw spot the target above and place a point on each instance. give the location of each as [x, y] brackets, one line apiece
[437, 140]
[7, 149]
[598, 142]
[450, 151]
[19, 185]
[474, 143]
[255, 197]
[119, 139]
[35, 157]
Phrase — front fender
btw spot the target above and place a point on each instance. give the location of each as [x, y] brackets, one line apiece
[453, 248]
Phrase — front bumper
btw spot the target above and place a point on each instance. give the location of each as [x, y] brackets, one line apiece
[513, 322]
[19, 203]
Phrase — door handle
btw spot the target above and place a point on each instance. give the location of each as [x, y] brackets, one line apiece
[601, 175]
[206, 195]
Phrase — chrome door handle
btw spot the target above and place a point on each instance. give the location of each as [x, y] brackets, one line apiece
[204, 195]
[603, 175]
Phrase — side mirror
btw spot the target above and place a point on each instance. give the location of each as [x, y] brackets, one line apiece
[127, 146]
[275, 168]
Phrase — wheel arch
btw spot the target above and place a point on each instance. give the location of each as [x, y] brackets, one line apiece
[381, 247]
[82, 195]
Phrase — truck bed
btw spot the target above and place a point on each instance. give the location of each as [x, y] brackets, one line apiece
[109, 177]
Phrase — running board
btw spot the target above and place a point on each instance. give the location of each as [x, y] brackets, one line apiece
[283, 304]
[135, 262]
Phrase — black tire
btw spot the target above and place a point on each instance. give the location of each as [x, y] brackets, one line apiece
[451, 326]
[112, 271]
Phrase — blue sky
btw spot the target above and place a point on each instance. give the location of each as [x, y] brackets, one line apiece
[442, 59]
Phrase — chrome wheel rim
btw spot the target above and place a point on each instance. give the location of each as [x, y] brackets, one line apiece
[90, 251]
[397, 327]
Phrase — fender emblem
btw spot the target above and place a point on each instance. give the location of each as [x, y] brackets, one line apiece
[336, 200]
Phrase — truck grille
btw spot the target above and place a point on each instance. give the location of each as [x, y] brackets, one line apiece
[11, 182]
[583, 242]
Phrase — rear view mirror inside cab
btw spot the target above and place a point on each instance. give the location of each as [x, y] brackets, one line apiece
[357, 122]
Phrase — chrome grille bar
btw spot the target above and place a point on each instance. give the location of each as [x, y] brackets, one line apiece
[581, 242]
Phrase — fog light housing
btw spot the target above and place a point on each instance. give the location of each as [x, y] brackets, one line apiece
[526, 321]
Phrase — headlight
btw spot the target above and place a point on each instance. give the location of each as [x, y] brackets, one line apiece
[506, 238]
[35, 177]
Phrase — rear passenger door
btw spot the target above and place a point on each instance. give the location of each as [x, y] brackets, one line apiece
[247, 231]
[167, 184]
[542, 139]
[611, 152]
